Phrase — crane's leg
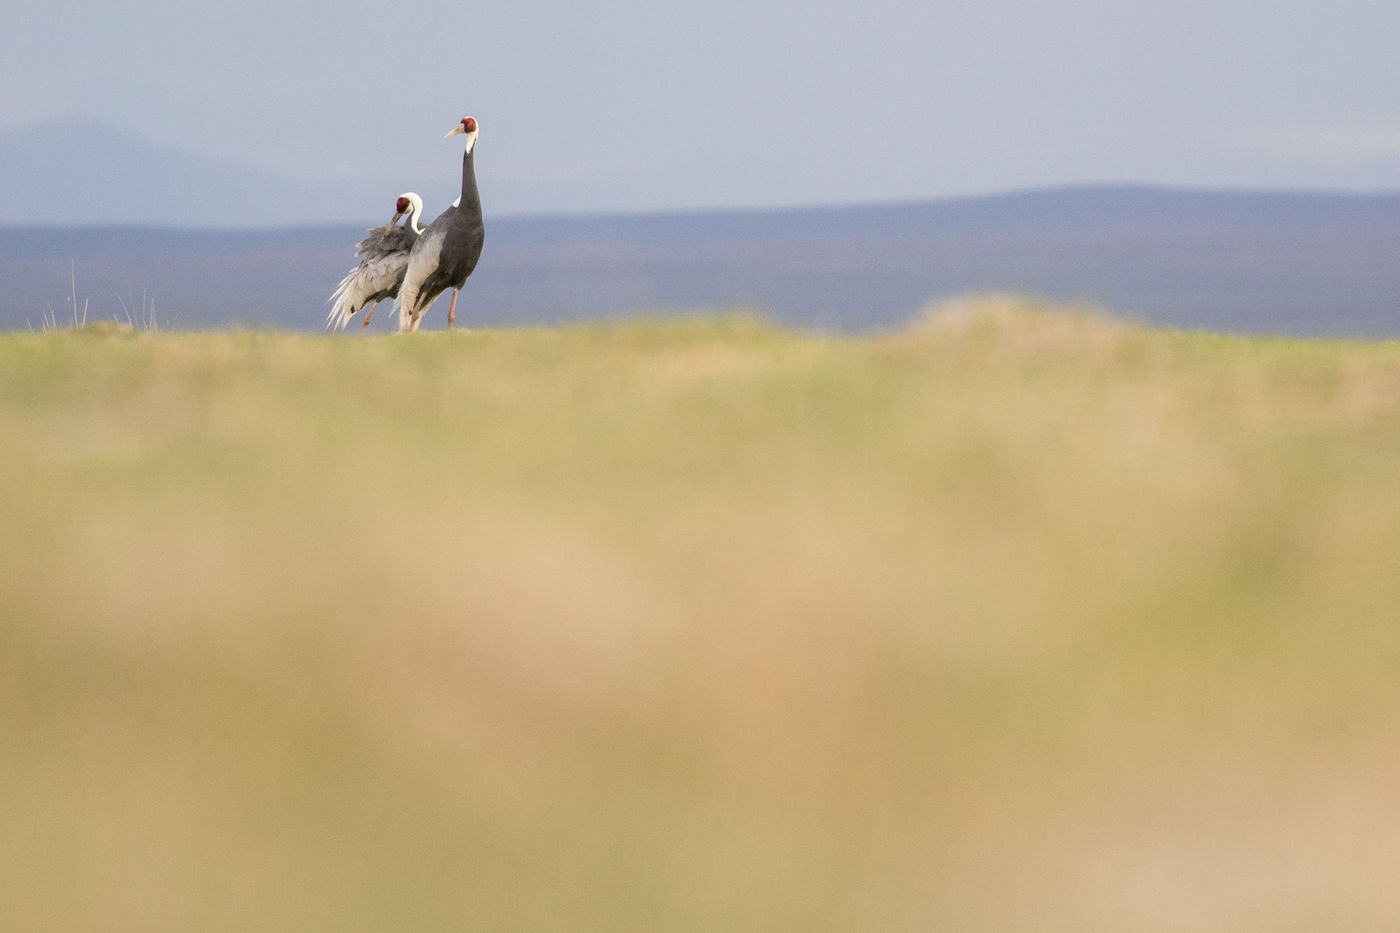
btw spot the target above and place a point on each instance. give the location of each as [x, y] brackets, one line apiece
[452, 310]
[368, 314]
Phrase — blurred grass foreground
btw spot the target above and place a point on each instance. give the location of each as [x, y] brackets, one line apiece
[1022, 618]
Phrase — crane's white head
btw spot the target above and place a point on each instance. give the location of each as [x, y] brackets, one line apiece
[470, 128]
[408, 203]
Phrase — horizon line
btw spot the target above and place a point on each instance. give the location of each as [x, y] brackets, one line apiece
[1084, 187]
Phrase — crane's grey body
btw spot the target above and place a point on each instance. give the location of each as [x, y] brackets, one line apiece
[381, 270]
[448, 249]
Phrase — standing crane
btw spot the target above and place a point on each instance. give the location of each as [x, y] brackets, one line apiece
[447, 251]
[381, 271]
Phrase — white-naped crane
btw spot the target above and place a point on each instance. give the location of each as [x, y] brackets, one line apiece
[447, 251]
[381, 270]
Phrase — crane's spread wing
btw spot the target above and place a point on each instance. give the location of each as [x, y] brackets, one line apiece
[383, 241]
[372, 280]
[384, 255]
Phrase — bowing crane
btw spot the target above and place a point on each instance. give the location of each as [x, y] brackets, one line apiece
[381, 270]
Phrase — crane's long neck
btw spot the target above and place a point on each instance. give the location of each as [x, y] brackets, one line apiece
[469, 204]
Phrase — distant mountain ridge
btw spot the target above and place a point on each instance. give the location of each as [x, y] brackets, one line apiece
[94, 173]
[1305, 263]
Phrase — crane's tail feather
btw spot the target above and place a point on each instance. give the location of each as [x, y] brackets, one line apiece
[408, 321]
[405, 315]
[342, 307]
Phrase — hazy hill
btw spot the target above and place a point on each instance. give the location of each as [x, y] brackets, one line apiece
[1296, 263]
[95, 173]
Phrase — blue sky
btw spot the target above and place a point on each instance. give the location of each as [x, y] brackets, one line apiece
[625, 105]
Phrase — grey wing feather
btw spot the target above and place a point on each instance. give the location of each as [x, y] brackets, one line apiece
[385, 240]
[423, 259]
[377, 277]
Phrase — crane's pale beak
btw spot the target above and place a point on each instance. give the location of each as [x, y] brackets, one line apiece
[459, 128]
[397, 215]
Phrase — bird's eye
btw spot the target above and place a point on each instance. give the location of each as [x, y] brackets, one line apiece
[469, 124]
[403, 204]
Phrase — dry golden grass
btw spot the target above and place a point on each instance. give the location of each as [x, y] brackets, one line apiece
[1018, 619]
